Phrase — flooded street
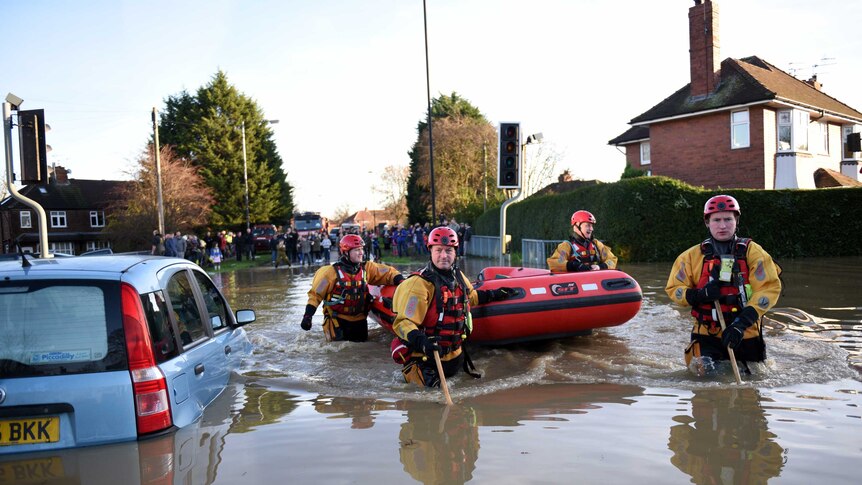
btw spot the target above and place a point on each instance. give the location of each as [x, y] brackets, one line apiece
[617, 406]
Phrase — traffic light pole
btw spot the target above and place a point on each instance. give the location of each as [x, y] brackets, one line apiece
[44, 252]
[506, 205]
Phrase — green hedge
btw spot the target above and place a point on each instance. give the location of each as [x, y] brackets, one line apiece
[656, 218]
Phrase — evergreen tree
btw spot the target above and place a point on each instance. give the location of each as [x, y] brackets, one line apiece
[206, 130]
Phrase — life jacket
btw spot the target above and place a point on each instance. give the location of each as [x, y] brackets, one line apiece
[446, 319]
[733, 294]
[585, 253]
[349, 295]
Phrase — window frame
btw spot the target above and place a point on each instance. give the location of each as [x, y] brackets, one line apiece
[648, 159]
[846, 130]
[734, 143]
[63, 247]
[58, 219]
[787, 124]
[95, 217]
[25, 214]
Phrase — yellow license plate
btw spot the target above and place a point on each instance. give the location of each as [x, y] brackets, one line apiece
[24, 431]
[40, 470]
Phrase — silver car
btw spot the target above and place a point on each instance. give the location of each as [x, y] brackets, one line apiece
[113, 348]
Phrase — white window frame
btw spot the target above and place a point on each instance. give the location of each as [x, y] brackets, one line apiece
[65, 247]
[58, 218]
[94, 245]
[26, 220]
[800, 130]
[846, 130]
[787, 122]
[734, 124]
[97, 218]
[821, 132]
[645, 153]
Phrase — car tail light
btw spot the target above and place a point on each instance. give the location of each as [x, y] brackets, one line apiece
[150, 387]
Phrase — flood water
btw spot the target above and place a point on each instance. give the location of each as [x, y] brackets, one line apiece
[617, 406]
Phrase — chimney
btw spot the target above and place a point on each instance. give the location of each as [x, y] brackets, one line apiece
[703, 47]
[814, 83]
[61, 176]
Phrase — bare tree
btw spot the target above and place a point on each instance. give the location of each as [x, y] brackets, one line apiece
[541, 165]
[393, 190]
[342, 212]
[133, 213]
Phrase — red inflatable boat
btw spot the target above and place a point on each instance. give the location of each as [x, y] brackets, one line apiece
[547, 306]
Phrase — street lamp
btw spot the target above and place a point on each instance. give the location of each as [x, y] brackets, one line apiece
[245, 171]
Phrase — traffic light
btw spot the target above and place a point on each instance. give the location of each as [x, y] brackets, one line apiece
[34, 151]
[509, 156]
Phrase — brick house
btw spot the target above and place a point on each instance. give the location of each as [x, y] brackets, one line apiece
[75, 212]
[742, 123]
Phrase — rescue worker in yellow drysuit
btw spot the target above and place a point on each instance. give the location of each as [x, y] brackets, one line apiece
[737, 273]
[581, 252]
[343, 289]
[431, 309]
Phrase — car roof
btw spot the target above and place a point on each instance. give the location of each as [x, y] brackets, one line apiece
[132, 268]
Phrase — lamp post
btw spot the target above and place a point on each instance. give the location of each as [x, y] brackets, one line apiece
[245, 171]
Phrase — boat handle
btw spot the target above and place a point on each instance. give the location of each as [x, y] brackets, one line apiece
[618, 284]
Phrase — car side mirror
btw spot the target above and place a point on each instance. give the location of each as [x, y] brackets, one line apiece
[244, 317]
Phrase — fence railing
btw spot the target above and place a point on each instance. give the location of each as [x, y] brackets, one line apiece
[534, 252]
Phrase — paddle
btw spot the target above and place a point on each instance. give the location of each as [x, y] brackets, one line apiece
[443, 379]
[729, 350]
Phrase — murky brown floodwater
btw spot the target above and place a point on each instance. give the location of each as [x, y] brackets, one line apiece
[617, 406]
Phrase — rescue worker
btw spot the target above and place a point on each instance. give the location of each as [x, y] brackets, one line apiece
[432, 308]
[734, 271]
[343, 289]
[581, 252]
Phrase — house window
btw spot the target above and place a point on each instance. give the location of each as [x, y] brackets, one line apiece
[820, 138]
[739, 135]
[645, 157]
[800, 130]
[846, 130]
[97, 218]
[94, 245]
[26, 221]
[785, 130]
[58, 218]
[61, 247]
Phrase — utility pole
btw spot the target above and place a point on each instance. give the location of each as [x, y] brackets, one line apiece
[159, 203]
[245, 178]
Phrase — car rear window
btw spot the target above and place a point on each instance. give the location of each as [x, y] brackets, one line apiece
[60, 327]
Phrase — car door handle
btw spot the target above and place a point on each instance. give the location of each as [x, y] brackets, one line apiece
[199, 369]
[227, 350]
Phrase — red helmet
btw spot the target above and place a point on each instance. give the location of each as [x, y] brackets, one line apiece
[443, 236]
[583, 216]
[350, 241]
[721, 203]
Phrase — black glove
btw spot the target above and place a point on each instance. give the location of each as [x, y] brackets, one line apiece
[707, 294]
[573, 266]
[422, 343]
[732, 335]
[306, 319]
[503, 293]
[398, 279]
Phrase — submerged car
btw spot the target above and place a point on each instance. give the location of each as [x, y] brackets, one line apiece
[105, 349]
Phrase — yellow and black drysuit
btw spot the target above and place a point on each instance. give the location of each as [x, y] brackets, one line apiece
[343, 289]
[432, 308]
[579, 254]
[753, 289]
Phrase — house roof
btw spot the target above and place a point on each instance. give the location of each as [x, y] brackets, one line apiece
[745, 81]
[633, 134]
[78, 194]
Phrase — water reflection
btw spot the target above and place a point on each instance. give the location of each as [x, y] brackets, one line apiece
[439, 444]
[726, 439]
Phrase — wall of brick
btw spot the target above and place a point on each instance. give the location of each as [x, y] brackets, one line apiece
[697, 151]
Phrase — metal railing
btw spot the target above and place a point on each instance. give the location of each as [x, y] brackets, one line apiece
[484, 246]
[535, 252]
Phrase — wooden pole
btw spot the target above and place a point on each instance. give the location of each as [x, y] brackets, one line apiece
[442, 378]
[729, 350]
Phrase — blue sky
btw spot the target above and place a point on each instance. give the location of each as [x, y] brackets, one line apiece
[346, 79]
